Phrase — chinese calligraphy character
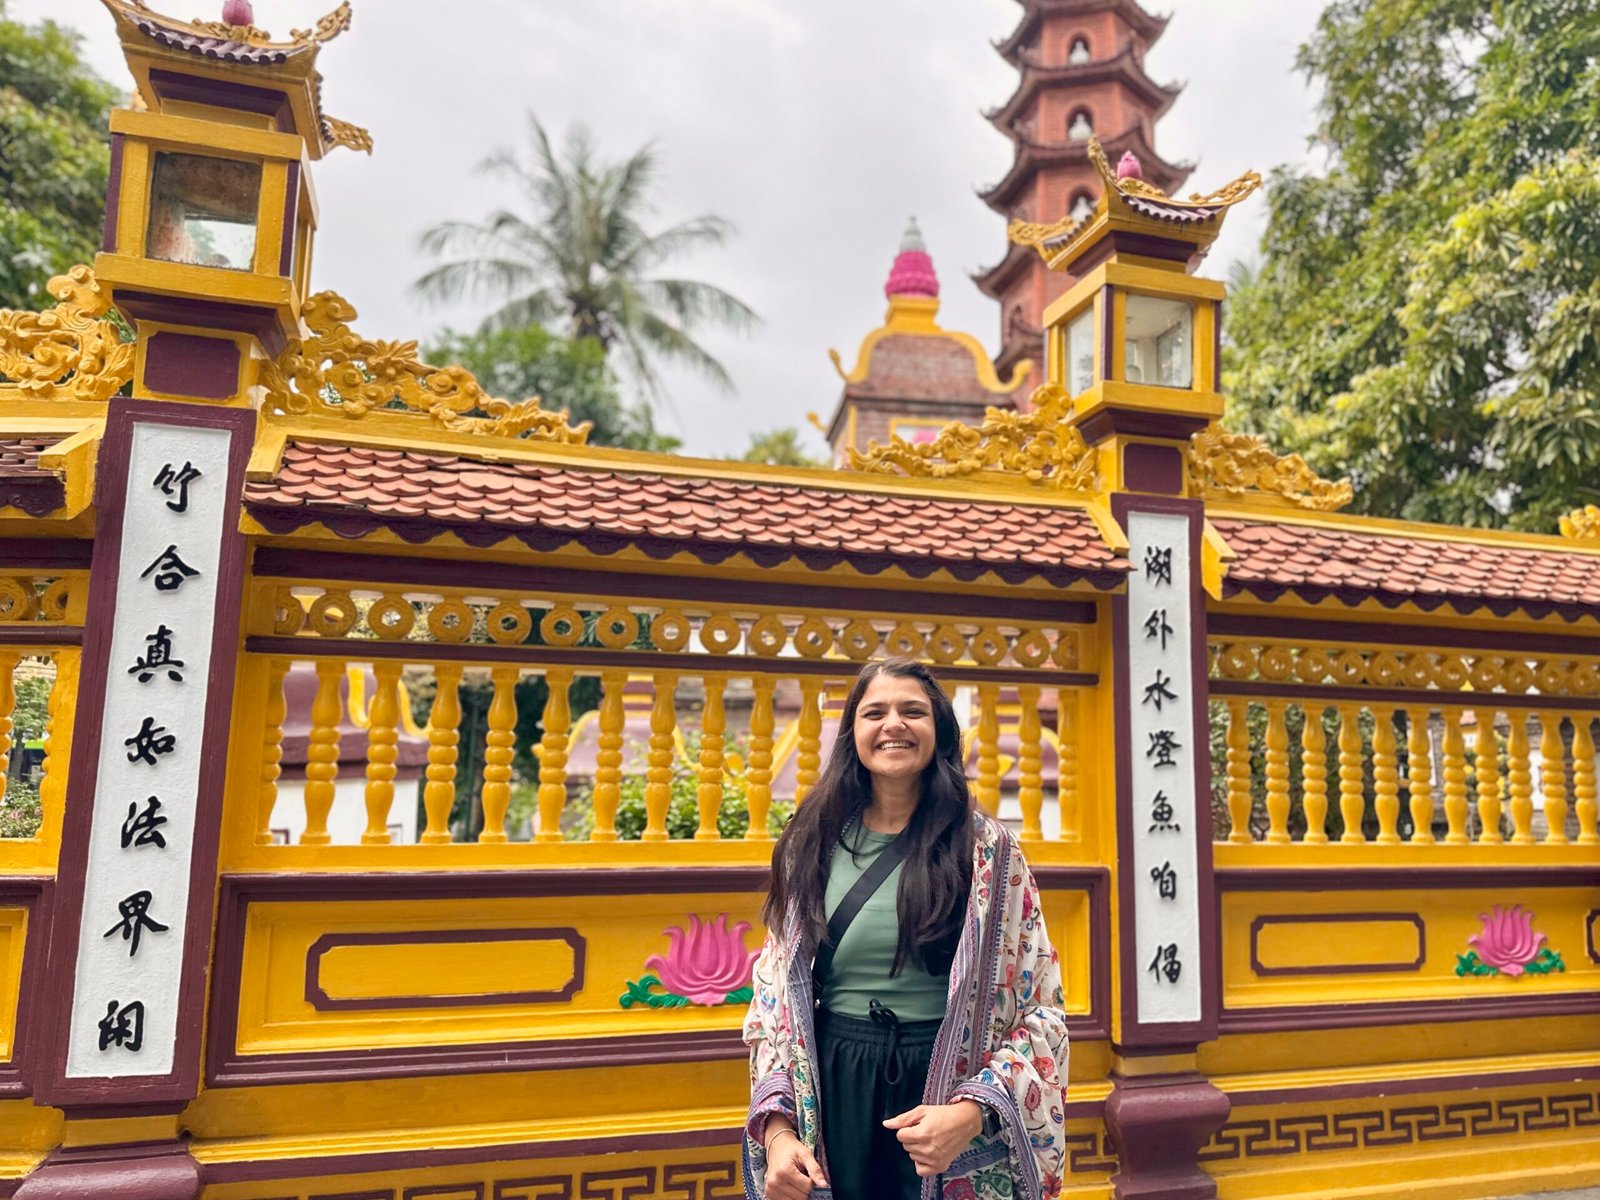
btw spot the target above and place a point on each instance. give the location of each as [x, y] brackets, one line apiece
[1158, 564]
[1166, 880]
[174, 484]
[1162, 743]
[122, 1026]
[1166, 964]
[1159, 691]
[1161, 816]
[158, 657]
[151, 740]
[136, 918]
[1155, 625]
[170, 570]
[140, 829]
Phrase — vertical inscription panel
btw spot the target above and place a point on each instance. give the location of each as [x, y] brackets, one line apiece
[1160, 699]
[142, 832]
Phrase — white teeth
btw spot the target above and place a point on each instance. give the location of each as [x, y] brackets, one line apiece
[894, 745]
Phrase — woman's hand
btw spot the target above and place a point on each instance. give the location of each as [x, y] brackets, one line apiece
[933, 1134]
[792, 1170]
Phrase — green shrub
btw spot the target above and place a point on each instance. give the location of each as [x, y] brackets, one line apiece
[20, 813]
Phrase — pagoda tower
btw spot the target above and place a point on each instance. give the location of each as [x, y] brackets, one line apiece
[1082, 75]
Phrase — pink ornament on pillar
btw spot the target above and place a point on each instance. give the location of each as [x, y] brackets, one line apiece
[237, 13]
[912, 273]
[1129, 166]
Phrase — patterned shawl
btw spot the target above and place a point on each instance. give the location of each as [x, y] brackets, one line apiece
[1003, 1041]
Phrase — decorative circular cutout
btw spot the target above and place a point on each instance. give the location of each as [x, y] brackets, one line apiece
[859, 640]
[288, 614]
[1312, 665]
[333, 614]
[617, 629]
[946, 644]
[1277, 663]
[1384, 670]
[508, 624]
[989, 646]
[53, 601]
[1419, 670]
[1451, 673]
[391, 618]
[1350, 667]
[1488, 673]
[450, 621]
[16, 600]
[905, 642]
[1237, 661]
[561, 626]
[720, 634]
[813, 638]
[1032, 648]
[1519, 678]
[669, 630]
[768, 636]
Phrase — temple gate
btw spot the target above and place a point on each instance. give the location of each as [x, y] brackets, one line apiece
[1311, 797]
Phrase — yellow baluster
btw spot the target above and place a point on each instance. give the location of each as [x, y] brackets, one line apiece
[1352, 796]
[988, 790]
[1239, 799]
[1487, 770]
[59, 710]
[1455, 779]
[1519, 779]
[498, 750]
[8, 704]
[1419, 749]
[1385, 776]
[1030, 763]
[271, 750]
[758, 779]
[713, 724]
[322, 752]
[444, 742]
[658, 791]
[383, 751]
[608, 758]
[553, 754]
[809, 755]
[1067, 761]
[1553, 778]
[1583, 777]
[1277, 772]
[1314, 776]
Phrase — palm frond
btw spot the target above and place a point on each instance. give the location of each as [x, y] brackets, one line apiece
[694, 303]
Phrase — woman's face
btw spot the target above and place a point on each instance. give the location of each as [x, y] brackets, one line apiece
[894, 727]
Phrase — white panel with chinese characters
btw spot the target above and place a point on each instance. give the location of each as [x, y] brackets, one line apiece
[1166, 872]
[141, 840]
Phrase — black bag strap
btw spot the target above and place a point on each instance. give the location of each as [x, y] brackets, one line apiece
[879, 869]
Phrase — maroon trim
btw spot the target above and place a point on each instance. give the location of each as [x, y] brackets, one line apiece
[1148, 467]
[1096, 881]
[1119, 242]
[1464, 605]
[1296, 1018]
[291, 203]
[1266, 919]
[1400, 697]
[221, 93]
[1131, 1032]
[1401, 878]
[260, 323]
[42, 633]
[182, 1082]
[37, 493]
[1138, 422]
[132, 1171]
[1158, 1124]
[32, 893]
[338, 567]
[1108, 333]
[1481, 1080]
[1380, 633]
[191, 364]
[1216, 348]
[1591, 930]
[318, 998]
[108, 234]
[47, 554]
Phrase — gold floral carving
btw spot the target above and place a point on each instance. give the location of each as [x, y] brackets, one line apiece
[69, 352]
[1582, 524]
[1224, 464]
[336, 372]
[342, 133]
[1038, 445]
[325, 30]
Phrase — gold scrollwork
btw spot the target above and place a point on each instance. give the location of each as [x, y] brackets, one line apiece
[1231, 465]
[1038, 445]
[1582, 524]
[336, 372]
[68, 352]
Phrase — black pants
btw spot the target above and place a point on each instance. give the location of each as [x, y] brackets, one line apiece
[871, 1071]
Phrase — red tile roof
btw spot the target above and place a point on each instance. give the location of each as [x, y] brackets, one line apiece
[23, 483]
[1316, 562]
[354, 490]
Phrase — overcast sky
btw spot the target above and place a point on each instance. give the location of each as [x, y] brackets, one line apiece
[816, 126]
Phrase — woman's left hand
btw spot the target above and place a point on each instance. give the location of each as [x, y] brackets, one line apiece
[933, 1134]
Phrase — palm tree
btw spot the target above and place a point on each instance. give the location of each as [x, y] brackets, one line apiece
[580, 253]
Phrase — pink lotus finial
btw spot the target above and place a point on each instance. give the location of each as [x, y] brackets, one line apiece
[1507, 941]
[237, 13]
[706, 963]
[912, 273]
[1129, 166]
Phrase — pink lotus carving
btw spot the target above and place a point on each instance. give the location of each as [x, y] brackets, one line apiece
[237, 12]
[706, 963]
[1507, 941]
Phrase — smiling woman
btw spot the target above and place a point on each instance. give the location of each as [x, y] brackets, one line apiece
[876, 1061]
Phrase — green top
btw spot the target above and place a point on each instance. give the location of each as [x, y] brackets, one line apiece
[861, 965]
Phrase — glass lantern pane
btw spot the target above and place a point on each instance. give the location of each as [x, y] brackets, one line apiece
[203, 211]
[1159, 342]
[1080, 352]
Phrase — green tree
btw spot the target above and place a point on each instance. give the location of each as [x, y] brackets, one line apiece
[780, 448]
[54, 158]
[565, 373]
[580, 252]
[1424, 314]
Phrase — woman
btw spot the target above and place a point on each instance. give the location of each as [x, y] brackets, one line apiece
[938, 1050]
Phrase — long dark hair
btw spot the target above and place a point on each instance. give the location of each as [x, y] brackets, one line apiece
[937, 874]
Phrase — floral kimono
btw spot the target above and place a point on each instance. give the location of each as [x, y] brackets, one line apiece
[1003, 1041]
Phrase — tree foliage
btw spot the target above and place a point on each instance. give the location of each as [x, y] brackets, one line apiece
[780, 448]
[54, 158]
[565, 373]
[1424, 316]
[580, 252]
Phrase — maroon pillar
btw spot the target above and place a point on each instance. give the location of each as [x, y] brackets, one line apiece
[1158, 1124]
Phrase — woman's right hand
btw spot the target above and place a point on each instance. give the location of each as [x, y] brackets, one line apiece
[792, 1170]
